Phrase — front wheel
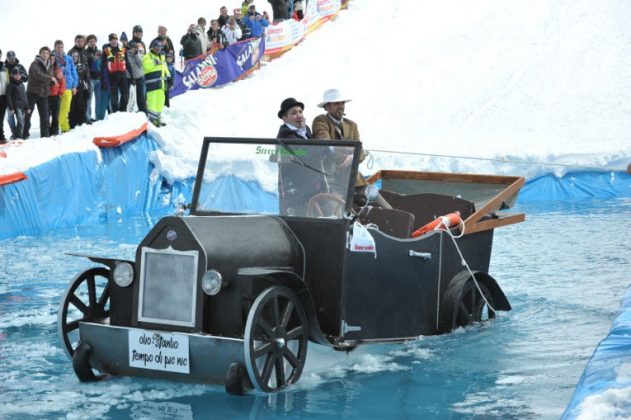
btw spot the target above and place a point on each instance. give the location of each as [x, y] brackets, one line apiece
[465, 303]
[81, 363]
[87, 298]
[275, 339]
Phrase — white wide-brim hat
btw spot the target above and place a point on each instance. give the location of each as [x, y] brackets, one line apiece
[333, 95]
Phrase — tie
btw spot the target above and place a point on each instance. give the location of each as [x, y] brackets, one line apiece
[339, 130]
[338, 126]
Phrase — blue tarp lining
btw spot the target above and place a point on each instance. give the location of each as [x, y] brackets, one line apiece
[76, 189]
[576, 186]
[220, 195]
[604, 371]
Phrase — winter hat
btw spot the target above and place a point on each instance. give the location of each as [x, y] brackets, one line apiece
[155, 43]
[15, 71]
[10, 54]
[123, 37]
[137, 28]
[287, 104]
[112, 36]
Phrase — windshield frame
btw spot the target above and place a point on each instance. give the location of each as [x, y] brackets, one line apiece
[203, 159]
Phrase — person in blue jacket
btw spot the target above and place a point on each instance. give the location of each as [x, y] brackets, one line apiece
[72, 80]
[256, 22]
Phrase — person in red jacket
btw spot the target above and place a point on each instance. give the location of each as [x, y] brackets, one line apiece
[114, 60]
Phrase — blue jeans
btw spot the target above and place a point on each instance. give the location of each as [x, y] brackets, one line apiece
[95, 91]
[20, 119]
[11, 121]
[141, 94]
[102, 103]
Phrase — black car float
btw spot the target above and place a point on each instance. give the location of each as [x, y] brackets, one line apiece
[233, 292]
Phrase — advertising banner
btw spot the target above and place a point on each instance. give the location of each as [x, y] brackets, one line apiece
[282, 36]
[318, 12]
[220, 68]
[328, 8]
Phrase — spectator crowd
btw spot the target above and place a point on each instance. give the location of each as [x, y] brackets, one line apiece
[83, 84]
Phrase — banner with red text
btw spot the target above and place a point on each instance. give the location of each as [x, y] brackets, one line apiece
[283, 35]
[224, 66]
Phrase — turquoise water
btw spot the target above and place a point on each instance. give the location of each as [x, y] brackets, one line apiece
[564, 271]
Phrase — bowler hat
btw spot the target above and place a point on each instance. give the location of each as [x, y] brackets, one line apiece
[287, 104]
[332, 95]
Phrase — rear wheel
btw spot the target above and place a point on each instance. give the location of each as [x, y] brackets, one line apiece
[465, 303]
[87, 298]
[275, 339]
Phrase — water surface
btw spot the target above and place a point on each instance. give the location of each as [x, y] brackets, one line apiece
[564, 271]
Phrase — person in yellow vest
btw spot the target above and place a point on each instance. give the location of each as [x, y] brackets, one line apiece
[156, 73]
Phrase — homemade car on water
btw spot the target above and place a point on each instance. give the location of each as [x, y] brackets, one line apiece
[233, 292]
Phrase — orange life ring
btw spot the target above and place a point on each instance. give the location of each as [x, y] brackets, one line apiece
[441, 222]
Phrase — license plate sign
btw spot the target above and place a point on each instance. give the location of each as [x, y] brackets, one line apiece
[157, 350]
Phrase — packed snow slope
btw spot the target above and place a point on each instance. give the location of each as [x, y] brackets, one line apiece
[543, 82]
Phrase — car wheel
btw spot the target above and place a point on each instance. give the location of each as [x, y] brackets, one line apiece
[463, 304]
[275, 339]
[81, 363]
[87, 298]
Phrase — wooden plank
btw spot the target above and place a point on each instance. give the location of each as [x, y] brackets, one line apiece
[504, 220]
[444, 177]
[493, 204]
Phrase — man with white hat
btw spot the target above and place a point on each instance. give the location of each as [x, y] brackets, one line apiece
[333, 126]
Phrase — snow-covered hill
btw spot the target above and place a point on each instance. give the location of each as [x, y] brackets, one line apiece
[532, 81]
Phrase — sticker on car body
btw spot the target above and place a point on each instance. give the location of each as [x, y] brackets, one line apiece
[158, 350]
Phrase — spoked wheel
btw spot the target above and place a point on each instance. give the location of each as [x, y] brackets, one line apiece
[464, 305]
[86, 299]
[275, 339]
[325, 205]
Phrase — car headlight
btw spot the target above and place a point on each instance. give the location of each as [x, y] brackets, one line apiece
[123, 274]
[212, 282]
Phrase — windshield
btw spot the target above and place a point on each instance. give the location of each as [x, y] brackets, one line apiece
[287, 177]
